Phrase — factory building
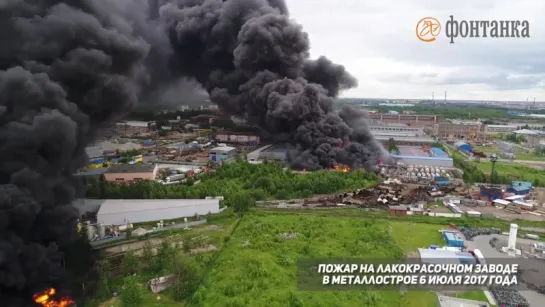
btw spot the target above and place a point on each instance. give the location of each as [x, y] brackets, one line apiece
[533, 137]
[268, 152]
[409, 120]
[222, 154]
[404, 140]
[132, 127]
[500, 128]
[250, 140]
[520, 187]
[458, 129]
[427, 161]
[124, 211]
[447, 301]
[129, 173]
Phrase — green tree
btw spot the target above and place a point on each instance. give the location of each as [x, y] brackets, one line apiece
[392, 146]
[131, 293]
[130, 264]
[186, 273]
[241, 202]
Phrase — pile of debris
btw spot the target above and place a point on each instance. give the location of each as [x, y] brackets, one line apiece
[387, 193]
[471, 233]
[508, 297]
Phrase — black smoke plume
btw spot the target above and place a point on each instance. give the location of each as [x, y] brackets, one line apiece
[67, 69]
[254, 62]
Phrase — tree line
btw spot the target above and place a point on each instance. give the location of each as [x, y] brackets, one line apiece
[239, 182]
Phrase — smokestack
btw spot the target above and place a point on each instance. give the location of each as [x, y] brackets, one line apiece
[445, 97]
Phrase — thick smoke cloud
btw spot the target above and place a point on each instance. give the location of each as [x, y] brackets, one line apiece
[70, 68]
[67, 69]
[254, 61]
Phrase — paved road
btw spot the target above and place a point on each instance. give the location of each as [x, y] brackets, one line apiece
[483, 244]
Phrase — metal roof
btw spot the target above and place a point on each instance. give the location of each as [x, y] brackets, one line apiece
[526, 132]
[421, 158]
[438, 151]
[112, 206]
[93, 172]
[131, 168]
[444, 256]
[223, 149]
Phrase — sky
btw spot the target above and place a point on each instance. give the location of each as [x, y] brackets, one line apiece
[376, 41]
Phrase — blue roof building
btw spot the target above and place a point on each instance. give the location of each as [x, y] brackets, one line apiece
[463, 146]
[438, 152]
[520, 187]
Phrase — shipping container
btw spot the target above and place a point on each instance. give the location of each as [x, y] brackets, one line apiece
[233, 138]
[243, 139]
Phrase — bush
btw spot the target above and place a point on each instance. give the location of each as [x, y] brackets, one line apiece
[131, 294]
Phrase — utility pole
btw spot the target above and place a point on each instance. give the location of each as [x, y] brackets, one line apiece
[493, 158]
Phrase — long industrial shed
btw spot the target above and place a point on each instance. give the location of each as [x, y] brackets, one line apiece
[123, 211]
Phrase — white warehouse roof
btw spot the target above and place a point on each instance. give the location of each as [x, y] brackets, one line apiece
[223, 149]
[122, 211]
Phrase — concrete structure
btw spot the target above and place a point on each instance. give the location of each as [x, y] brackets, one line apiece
[506, 146]
[438, 152]
[409, 120]
[435, 256]
[402, 139]
[512, 243]
[132, 127]
[222, 154]
[458, 130]
[447, 301]
[397, 210]
[396, 128]
[123, 211]
[427, 161]
[500, 128]
[269, 152]
[412, 151]
[129, 173]
[533, 137]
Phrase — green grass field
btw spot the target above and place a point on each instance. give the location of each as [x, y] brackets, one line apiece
[257, 267]
[520, 155]
[513, 170]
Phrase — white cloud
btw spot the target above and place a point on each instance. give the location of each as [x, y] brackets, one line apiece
[376, 41]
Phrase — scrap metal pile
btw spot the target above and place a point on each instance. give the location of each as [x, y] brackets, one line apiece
[471, 233]
[508, 297]
[380, 196]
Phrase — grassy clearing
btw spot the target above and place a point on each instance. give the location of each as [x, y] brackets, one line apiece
[529, 156]
[149, 300]
[382, 215]
[515, 171]
[258, 266]
[410, 236]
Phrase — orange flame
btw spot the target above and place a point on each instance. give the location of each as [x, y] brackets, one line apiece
[343, 169]
[45, 299]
